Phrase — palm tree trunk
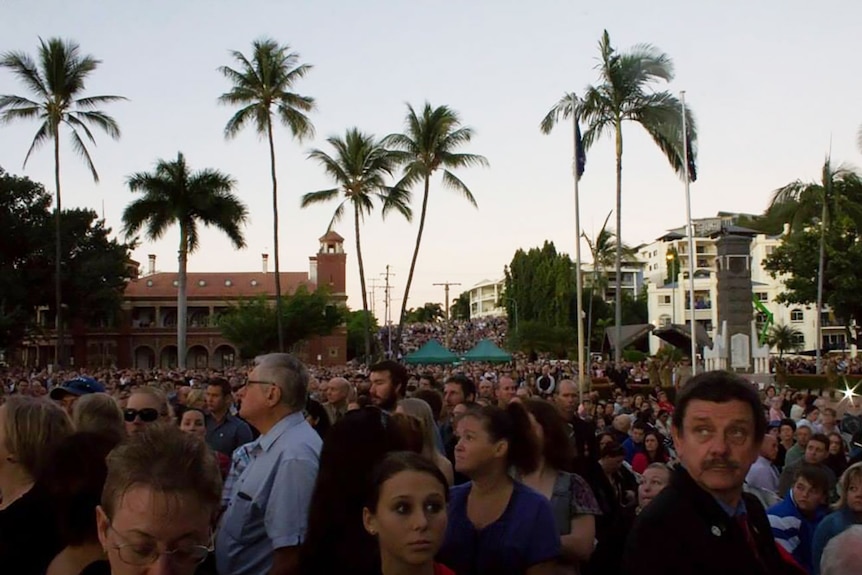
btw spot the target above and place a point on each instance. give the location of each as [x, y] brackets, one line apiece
[618, 303]
[413, 262]
[367, 320]
[278, 304]
[60, 348]
[820, 266]
[182, 310]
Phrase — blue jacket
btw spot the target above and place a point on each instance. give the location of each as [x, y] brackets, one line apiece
[631, 448]
[793, 531]
[834, 524]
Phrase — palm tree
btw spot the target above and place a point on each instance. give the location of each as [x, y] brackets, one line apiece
[603, 251]
[784, 338]
[57, 82]
[428, 144]
[263, 86]
[837, 194]
[625, 93]
[359, 168]
[173, 194]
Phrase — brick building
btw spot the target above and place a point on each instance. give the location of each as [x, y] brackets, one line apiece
[145, 334]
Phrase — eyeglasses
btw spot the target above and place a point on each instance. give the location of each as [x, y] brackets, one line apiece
[251, 382]
[147, 414]
[147, 553]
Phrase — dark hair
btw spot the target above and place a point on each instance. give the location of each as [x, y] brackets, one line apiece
[397, 374]
[822, 438]
[410, 430]
[612, 450]
[557, 450]
[74, 478]
[511, 424]
[661, 455]
[433, 398]
[789, 422]
[393, 464]
[468, 388]
[316, 410]
[641, 425]
[336, 541]
[809, 409]
[430, 378]
[222, 384]
[720, 387]
[815, 475]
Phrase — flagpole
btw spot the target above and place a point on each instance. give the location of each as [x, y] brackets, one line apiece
[691, 248]
[578, 278]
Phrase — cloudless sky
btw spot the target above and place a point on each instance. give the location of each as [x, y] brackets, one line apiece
[773, 84]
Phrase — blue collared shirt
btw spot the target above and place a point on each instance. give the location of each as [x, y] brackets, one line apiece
[228, 434]
[733, 512]
[269, 502]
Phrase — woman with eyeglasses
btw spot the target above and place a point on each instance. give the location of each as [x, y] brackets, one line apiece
[145, 406]
[162, 492]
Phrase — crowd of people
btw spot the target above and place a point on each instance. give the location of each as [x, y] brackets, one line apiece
[463, 335]
[287, 469]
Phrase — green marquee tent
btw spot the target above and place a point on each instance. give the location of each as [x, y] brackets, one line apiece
[486, 351]
[431, 353]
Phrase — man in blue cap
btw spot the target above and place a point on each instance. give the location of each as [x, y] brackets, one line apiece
[67, 394]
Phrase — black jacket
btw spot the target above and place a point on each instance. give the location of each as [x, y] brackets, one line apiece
[685, 531]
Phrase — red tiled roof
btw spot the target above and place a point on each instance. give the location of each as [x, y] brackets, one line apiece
[216, 285]
[331, 236]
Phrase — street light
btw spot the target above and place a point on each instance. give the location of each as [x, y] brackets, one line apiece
[671, 263]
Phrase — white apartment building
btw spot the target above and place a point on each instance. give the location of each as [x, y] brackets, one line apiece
[632, 282]
[486, 299]
[668, 300]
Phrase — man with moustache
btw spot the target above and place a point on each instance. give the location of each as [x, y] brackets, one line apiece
[703, 522]
[388, 384]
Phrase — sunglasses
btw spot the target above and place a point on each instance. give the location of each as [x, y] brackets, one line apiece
[147, 414]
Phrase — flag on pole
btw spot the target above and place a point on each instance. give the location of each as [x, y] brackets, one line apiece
[580, 154]
[692, 168]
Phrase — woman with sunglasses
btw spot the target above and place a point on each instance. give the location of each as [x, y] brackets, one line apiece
[145, 406]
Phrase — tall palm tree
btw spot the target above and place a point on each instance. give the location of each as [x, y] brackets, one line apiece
[173, 194]
[428, 144]
[263, 86]
[359, 168]
[800, 204]
[58, 82]
[784, 338]
[625, 93]
[603, 251]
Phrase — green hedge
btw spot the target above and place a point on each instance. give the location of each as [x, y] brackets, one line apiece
[807, 381]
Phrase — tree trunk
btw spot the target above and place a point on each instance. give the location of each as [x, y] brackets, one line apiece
[60, 347]
[618, 297]
[413, 262]
[182, 310]
[278, 304]
[367, 320]
[820, 265]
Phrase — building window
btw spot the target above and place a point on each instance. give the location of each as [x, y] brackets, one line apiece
[796, 315]
[665, 300]
[149, 283]
[762, 296]
[202, 283]
[664, 320]
[176, 283]
[333, 352]
[228, 283]
[799, 339]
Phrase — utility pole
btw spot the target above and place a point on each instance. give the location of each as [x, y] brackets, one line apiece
[373, 289]
[446, 305]
[388, 313]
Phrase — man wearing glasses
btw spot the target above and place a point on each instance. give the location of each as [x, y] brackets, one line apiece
[267, 511]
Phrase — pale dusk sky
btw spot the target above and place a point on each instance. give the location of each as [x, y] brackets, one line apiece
[773, 83]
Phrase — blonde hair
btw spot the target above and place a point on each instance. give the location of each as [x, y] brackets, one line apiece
[422, 411]
[33, 428]
[98, 413]
[852, 473]
[166, 412]
[196, 398]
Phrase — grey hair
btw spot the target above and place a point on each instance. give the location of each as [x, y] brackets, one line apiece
[841, 556]
[289, 374]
